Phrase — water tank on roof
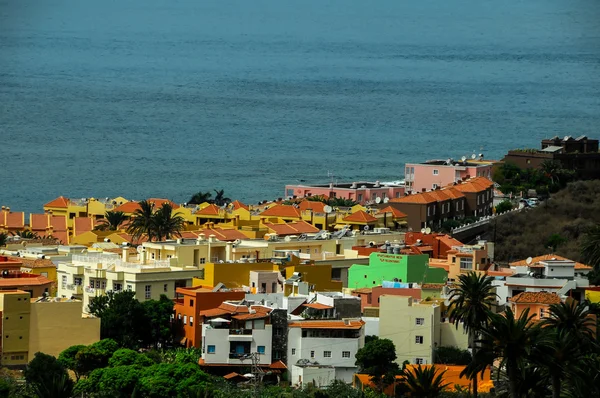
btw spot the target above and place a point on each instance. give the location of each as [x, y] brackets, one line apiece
[396, 249]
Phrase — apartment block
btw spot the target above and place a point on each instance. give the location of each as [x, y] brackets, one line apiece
[434, 174]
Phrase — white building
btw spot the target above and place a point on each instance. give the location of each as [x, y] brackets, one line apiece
[544, 274]
[93, 274]
[320, 351]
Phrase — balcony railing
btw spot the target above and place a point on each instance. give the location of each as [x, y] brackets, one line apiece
[233, 355]
[240, 331]
[115, 261]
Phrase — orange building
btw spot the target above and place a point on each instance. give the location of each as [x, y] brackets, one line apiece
[538, 303]
[11, 222]
[188, 304]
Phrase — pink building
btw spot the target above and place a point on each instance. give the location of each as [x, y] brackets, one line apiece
[421, 177]
[361, 192]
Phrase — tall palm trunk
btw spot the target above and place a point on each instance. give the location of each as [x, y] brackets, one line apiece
[556, 386]
[472, 339]
[513, 380]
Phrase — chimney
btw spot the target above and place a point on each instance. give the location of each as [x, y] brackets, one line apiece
[211, 238]
[143, 256]
[201, 237]
[125, 254]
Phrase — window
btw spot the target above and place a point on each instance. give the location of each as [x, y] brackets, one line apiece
[293, 351]
[278, 332]
[148, 291]
[103, 285]
[152, 256]
[64, 280]
[166, 288]
[316, 251]
[129, 287]
[466, 263]
[456, 206]
[419, 339]
[436, 172]
[191, 303]
[419, 361]
[261, 349]
[345, 354]
[312, 354]
[210, 349]
[327, 354]
[428, 211]
[97, 284]
[44, 274]
[191, 321]
[276, 354]
[117, 287]
[359, 197]
[185, 319]
[434, 186]
[420, 321]
[78, 281]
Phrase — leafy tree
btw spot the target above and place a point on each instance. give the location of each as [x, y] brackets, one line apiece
[182, 355]
[46, 375]
[142, 221]
[199, 197]
[572, 317]
[95, 356]
[122, 317]
[554, 241]
[158, 320]
[220, 198]
[377, 359]
[425, 382]
[590, 247]
[112, 221]
[504, 206]
[452, 356]
[470, 304]
[3, 239]
[68, 358]
[165, 224]
[127, 357]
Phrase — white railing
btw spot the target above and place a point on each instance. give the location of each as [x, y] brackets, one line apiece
[110, 261]
[482, 221]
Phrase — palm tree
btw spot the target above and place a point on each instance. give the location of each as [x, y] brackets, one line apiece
[572, 317]
[199, 197]
[165, 223]
[511, 340]
[424, 382]
[220, 198]
[112, 220]
[25, 234]
[551, 170]
[590, 247]
[470, 303]
[3, 239]
[142, 221]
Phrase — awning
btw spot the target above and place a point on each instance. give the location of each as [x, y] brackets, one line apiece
[219, 320]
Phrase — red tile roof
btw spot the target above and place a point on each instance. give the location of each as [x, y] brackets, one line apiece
[419, 198]
[12, 220]
[25, 280]
[318, 306]
[536, 298]
[476, 184]
[440, 195]
[58, 223]
[210, 210]
[284, 211]
[60, 202]
[223, 234]
[62, 236]
[278, 365]
[317, 207]
[131, 207]
[360, 217]
[291, 228]
[547, 257]
[333, 324]
[501, 272]
[395, 212]
[453, 192]
[237, 205]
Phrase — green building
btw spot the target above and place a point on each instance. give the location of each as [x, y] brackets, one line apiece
[395, 267]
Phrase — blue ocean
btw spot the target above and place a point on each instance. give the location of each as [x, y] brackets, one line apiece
[163, 98]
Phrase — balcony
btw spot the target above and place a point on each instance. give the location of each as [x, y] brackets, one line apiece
[241, 357]
[240, 331]
[94, 291]
[240, 335]
[96, 273]
[76, 289]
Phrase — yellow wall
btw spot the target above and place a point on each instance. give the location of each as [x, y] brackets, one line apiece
[317, 275]
[55, 326]
[592, 296]
[49, 272]
[230, 274]
[15, 327]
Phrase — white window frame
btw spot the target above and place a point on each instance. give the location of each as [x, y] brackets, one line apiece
[436, 172]
[420, 321]
[147, 292]
[345, 354]
[419, 361]
[293, 351]
[418, 339]
[203, 260]
[326, 354]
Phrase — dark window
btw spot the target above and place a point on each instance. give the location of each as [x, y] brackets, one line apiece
[191, 303]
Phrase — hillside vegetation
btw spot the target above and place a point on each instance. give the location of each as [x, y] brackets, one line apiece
[558, 225]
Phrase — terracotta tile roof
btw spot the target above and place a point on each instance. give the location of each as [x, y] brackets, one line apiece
[363, 290]
[223, 234]
[239, 205]
[240, 312]
[38, 280]
[419, 198]
[278, 365]
[129, 238]
[501, 272]
[476, 184]
[214, 312]
[245, 317]
[333, 324]
[453, 193]
[39, 222]
[83, 224]
[440, 195]
[284, 211]
[449, 241]
[12, 220]
[131, 207]
[291, 228]
[60, 202]
[432, 286]
[318, 306]
[233, 375]
[536, 298]
[210, 210]
[547, 257]
[395, 212]
[58, 223]
[317, 207]
[119, 250]
[61, 236]
[34, 263]
[360, 216]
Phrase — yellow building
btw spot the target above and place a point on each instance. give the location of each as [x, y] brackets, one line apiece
[318, 278]
[15, 310]
[232, 275]
[43, 267]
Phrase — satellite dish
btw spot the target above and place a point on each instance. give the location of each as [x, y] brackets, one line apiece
[463, 158]
[529, 260]
[423, 230]
[378, 200]
[427, 230]
[448, 161]
[327, 209]
[139, 249]
[473, 156]
[287, 239]
[366, 228]
[385, 200]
